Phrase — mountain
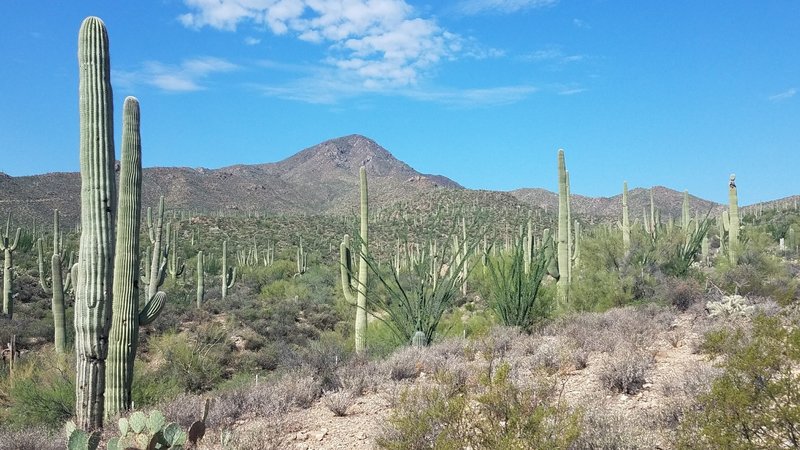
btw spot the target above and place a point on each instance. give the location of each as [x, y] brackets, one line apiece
[319, 179]
[668, 201]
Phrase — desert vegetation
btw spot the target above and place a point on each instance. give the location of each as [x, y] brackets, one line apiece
[459, 320]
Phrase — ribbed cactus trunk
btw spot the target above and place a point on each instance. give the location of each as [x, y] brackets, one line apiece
[201, 286]
[733, 219]
[563, 232]
[626, 224]
[57, 286]
[158, 259]
[357, 294]
[124, 334]
[8, 248]
[98, 192]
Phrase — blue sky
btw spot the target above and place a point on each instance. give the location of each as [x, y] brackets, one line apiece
[676, 93]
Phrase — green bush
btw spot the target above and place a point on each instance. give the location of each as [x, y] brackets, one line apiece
[755, 403]
[496, 414]
[41, 393]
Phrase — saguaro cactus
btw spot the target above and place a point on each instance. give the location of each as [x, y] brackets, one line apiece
[356, 293]
[175, 266]
[126, 318]
[8, 248]
[563, 230]
[158, 260]
[730, 221]
[58, 285]
[98, 206]
[228, 274]
[626, 224]
[201, 285]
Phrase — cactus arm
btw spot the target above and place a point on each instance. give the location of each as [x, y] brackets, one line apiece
[152, 308]
[42, 281]
[59, 318]
[346, 270]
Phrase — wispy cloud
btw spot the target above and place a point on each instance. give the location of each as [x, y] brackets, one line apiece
[785, 95]
[252, 41]
[553, 55]
[580, 24]
[381, 43]
[501, 6]
[183, 77]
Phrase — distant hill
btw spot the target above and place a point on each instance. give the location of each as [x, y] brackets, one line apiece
[668, 201]
[319, 179]
[322, 179]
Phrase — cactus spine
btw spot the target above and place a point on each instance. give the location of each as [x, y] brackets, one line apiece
[8, 253]
[563, 231]
[356, 293]
[98, 204]
[58, 286]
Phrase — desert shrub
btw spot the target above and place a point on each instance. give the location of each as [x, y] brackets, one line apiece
[755, 402]
[41, 393]
[682, 389]
[625, 370]
[195, 363]
[31, 438]
[495, 414]
[681, 293]
[338, 402]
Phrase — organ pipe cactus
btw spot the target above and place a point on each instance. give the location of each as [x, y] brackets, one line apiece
[126, 317]
[8, 248]
[356, 291]
[563, 231]
[228, 274]
[58, 286]
[93, 292]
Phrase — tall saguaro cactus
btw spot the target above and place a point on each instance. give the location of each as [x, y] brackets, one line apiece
[126, 318]
[58, 286]
[201, 285]
[731, 220]
[228, 274]
[626, 224]
[563, 230]
[356, 293]
[98, 207]
[8, 248]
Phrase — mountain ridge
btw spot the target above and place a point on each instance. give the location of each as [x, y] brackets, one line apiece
[321, 179]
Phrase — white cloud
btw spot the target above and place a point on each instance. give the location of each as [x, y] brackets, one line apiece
[252, 41]
[382, 42]
[502, 6]
[553, 55]
[785, 95]
[183, 77]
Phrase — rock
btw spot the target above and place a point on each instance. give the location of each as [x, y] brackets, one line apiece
[361, 436]
[301, 435]
[321, 435]
[301, 446]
